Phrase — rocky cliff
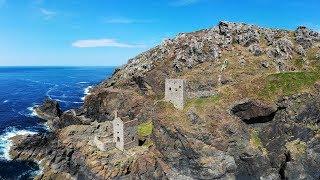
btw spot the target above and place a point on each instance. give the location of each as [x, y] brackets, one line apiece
[253, 112]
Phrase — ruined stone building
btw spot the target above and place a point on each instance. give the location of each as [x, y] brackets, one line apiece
[175, 92]
[125, 132]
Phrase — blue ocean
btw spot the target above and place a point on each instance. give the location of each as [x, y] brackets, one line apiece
[22, 88]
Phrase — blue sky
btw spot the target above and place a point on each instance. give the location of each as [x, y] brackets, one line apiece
[109, 32]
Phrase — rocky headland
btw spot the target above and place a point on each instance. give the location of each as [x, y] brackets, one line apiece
[253, 112]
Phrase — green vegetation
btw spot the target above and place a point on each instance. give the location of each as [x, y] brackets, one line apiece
[289, 83]
[255, 141]
[145, 129]
[200, 102]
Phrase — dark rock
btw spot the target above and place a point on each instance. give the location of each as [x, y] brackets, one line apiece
[304, 108]
[252, 112]
[49, 110]
[68, 118]
[265, 64]
[140, 82]
[185, 149]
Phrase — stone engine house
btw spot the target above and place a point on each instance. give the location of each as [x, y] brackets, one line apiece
[175, 92]
[125, 132]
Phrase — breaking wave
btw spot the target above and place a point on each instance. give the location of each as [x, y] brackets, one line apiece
[86, 92]
[6, 143]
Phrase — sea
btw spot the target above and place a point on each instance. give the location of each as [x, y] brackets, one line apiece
[22, 89]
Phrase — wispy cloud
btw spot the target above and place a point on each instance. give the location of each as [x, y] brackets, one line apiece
[48, 14]
[91, 43]
[123, 20]
[183, 2]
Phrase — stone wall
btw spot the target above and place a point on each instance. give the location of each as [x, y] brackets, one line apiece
[130, 135]
[118, 135]
[175, 92]
[125, 133]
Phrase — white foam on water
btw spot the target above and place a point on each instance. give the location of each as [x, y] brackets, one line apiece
[49, 91]
[29, 112]
[6, 143]
[86, 92]
[32, 111]
[61, 101]
[46, 126]
[83, 82]
[5, 101]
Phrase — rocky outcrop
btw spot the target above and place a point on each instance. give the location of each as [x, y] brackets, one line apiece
[220, 134]
[196, 160]
[50, 109]
[292, 138]
[71, 153]
[50, 112]
[306, 37]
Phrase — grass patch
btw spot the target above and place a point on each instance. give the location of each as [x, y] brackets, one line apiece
[255, 141]
[145, 129]
[200, 102]
[289, 83]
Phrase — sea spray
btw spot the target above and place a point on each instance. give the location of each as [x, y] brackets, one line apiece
[86, 92]
[6, 142]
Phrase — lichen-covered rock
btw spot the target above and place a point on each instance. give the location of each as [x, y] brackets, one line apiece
[300, 50]
[306, 37]
[255, 49]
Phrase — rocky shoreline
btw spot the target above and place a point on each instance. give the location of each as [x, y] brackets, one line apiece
[253, 112]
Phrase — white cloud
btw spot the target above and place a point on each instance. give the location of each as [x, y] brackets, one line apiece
[123, 20]
[183, 2]
[90, 43]
[47, 13]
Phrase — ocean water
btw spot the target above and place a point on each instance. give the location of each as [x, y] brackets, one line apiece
[22, 88]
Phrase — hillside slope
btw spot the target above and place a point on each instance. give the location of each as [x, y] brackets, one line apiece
[253, 111]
